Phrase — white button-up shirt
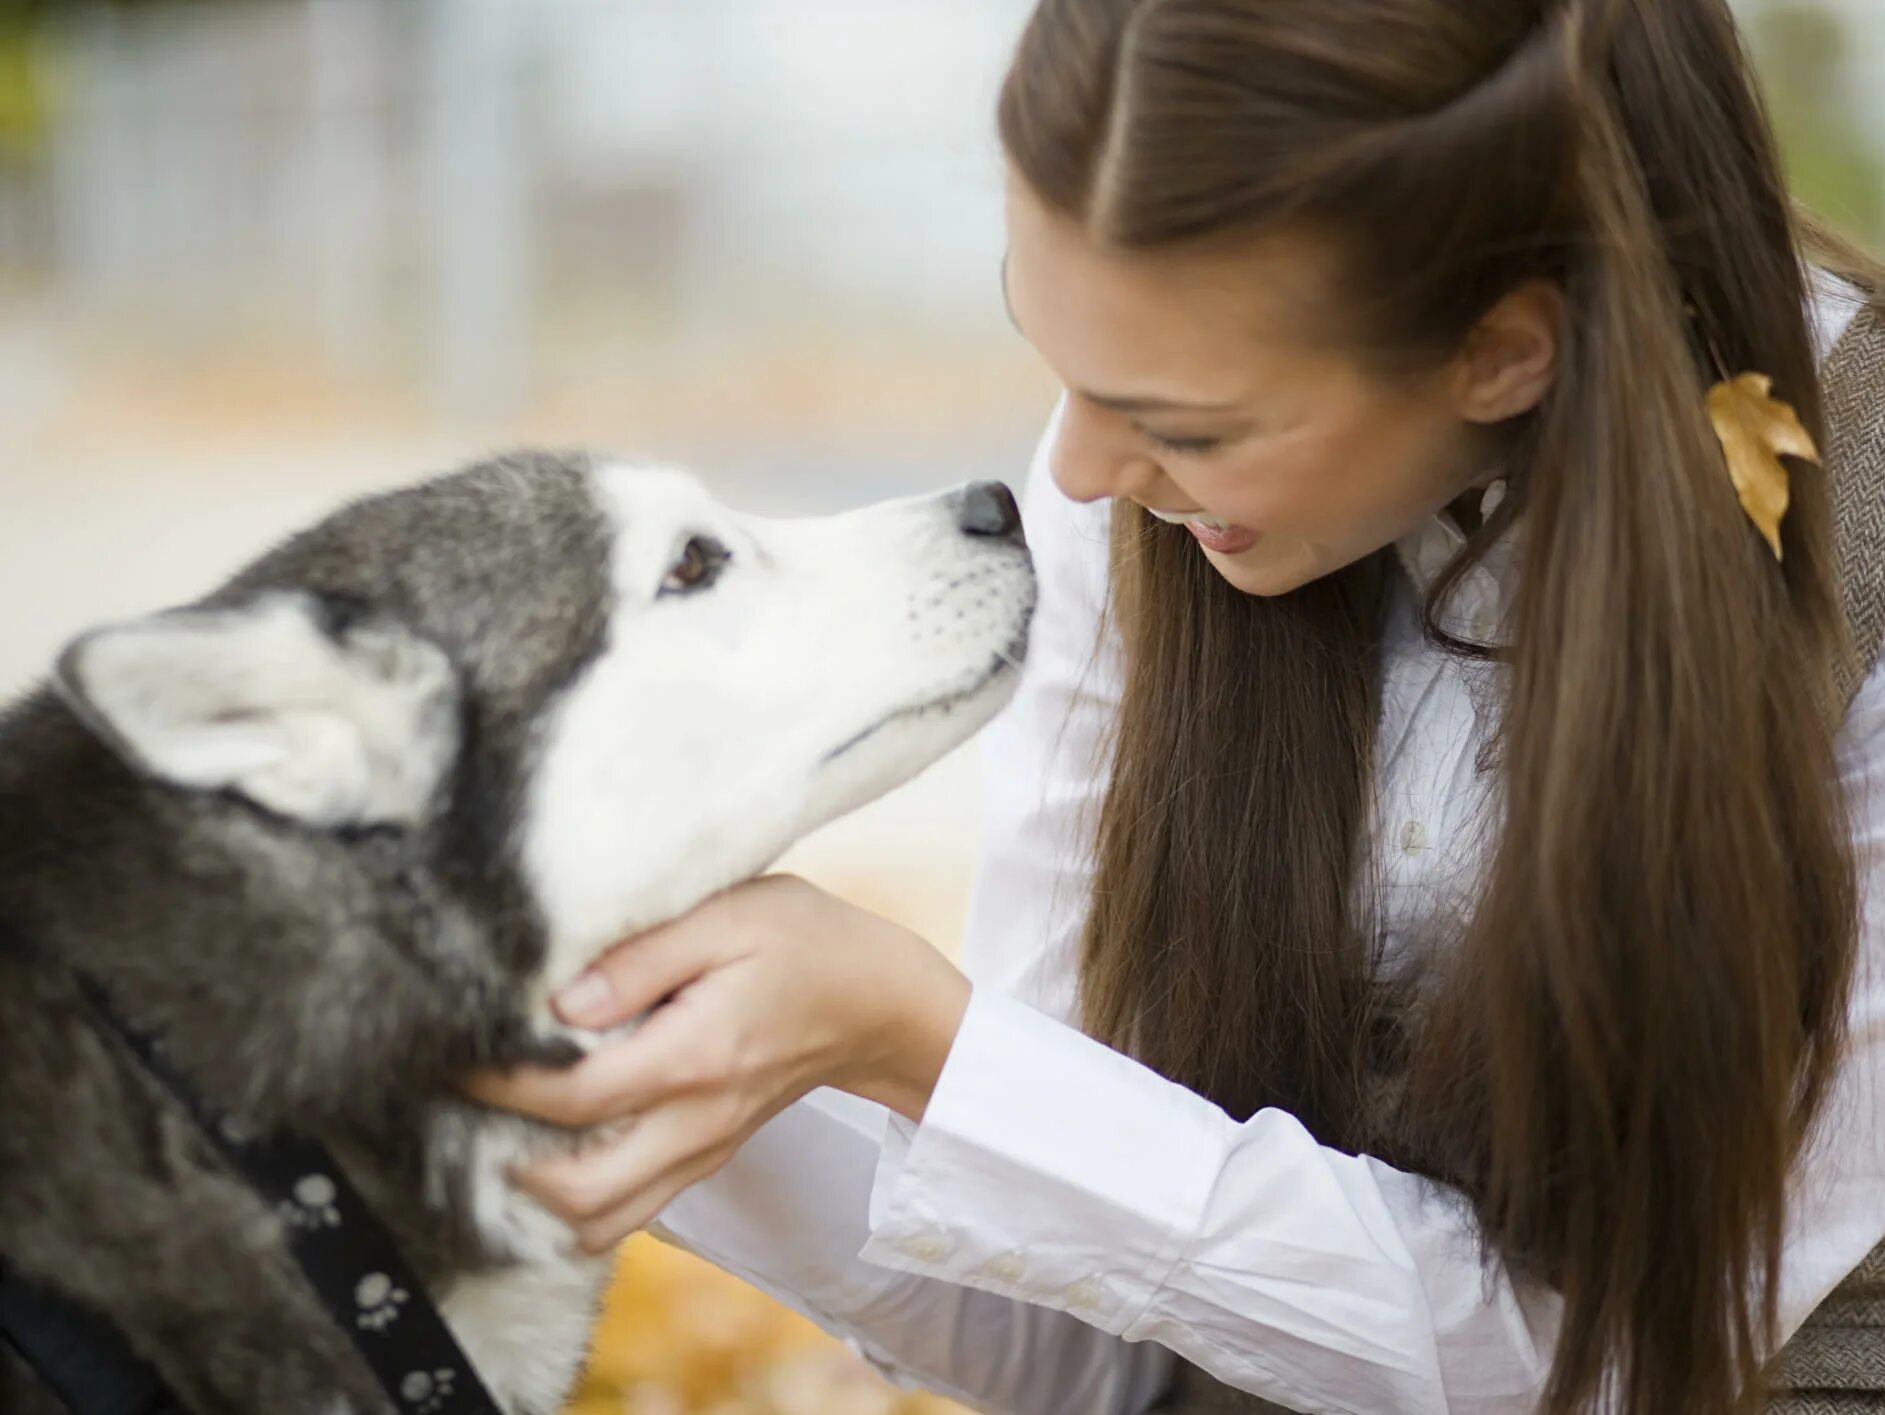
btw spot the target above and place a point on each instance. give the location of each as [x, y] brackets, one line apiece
[1064, 1218]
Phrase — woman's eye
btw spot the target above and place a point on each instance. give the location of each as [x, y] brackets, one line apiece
[699, 565]
[1181, 445]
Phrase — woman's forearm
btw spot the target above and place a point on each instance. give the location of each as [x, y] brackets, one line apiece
[790, 1212]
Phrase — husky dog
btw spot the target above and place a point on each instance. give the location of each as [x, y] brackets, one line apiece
[336, 833]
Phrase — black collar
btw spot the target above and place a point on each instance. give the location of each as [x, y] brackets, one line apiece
[343, 1251]
[80, 1358]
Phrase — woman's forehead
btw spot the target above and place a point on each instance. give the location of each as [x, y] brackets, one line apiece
[1184, 324]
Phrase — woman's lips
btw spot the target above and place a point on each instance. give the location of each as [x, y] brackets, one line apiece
[1212, 533]
[1229, 541]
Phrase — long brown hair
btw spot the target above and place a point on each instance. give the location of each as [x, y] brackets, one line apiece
[1618, 1054]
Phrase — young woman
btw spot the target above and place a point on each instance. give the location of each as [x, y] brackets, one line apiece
[1461, 994]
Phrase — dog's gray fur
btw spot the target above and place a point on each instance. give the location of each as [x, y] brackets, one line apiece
[332, 978]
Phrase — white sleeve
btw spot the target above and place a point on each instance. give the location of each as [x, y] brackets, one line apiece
[1051, 1169]
[790, 1212]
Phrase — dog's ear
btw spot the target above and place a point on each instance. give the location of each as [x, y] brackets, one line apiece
[334, 726]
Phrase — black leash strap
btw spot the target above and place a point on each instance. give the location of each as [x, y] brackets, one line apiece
[77, 1355]
[344, 1252]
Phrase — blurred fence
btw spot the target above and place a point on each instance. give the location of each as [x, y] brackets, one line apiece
[499, 205]
[254, 256]
[433, 178]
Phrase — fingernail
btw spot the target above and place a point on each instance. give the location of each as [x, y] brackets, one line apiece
[588, 1002]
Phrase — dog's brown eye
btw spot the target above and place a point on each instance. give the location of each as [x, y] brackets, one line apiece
[698, 566]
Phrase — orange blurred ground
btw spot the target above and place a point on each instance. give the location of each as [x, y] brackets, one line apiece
[679, 1337]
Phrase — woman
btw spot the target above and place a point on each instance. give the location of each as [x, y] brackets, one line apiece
[1466, 941]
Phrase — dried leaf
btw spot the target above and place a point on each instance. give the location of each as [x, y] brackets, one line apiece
[1756, 430]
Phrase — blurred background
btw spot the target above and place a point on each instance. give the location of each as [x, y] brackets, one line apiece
[259, 255]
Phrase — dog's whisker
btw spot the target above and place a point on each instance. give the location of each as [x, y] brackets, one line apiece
[1008, 658]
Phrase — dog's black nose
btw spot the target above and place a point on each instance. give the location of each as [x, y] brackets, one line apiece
[986, 508]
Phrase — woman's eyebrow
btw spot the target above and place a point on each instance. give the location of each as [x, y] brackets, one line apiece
[1155, 405]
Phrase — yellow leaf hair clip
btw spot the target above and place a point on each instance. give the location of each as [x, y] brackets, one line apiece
[1757, 429]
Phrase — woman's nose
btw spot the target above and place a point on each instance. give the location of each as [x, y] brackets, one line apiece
[1091, 461]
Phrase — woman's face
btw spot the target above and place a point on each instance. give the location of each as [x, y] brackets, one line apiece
[1197, 382]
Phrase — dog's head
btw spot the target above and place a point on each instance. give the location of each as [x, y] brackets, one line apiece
[588, 676]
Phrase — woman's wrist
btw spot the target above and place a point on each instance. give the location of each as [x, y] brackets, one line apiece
[917, 1036]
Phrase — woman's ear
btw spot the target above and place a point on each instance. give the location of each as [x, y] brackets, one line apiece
[1511, 357]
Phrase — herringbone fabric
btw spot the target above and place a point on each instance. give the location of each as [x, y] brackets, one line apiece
[1835, 1363]
[1854, 385]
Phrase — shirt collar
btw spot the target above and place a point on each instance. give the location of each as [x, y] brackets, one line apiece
[1475, 603]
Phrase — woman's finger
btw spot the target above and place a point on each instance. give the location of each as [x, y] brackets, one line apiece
[637, 973]
[617, 1080]
[563, 1098]
[583, 1188]
[601, 1235]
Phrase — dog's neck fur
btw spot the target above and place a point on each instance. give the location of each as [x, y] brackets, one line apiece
[375, 989]
[381, 978]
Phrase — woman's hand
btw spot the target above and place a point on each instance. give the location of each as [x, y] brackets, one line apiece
[771, 990]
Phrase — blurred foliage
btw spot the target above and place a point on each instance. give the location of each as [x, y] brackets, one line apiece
[1801, 48]
[25, 12]
[23, 93]
[25, 66]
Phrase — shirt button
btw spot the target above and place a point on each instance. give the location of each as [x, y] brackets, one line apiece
[1413, 838]
[927, 1247]
[1009, 1267]
[1087, 1292]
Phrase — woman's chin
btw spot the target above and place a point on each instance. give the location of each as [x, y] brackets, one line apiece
[1268, 568]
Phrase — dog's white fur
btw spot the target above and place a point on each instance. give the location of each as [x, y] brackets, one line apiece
[529, 1326]
[721, 708]
[830, 599]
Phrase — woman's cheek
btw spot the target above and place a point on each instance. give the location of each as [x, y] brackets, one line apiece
[1263, 496]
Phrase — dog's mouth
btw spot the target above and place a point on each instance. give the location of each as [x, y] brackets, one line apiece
[1007, 661]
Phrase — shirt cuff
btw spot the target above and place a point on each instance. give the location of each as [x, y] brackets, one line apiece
[1047, 1168]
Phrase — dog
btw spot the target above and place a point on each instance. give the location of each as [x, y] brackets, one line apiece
[336, 833]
